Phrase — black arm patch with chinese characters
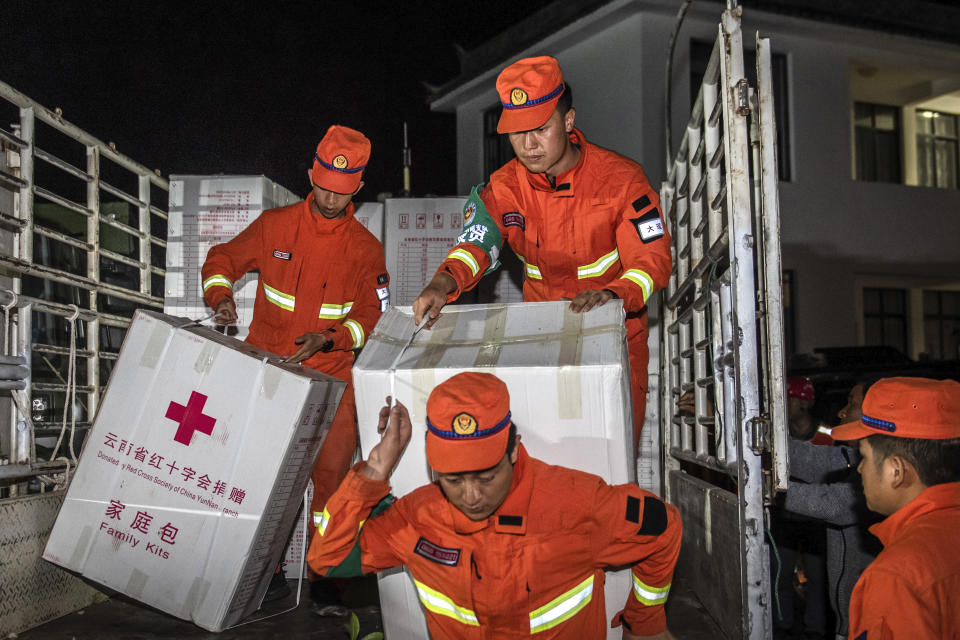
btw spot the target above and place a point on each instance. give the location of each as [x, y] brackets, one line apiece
[649, 226]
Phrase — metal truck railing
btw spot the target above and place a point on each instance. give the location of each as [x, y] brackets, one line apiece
[82, 244]
[722, 337]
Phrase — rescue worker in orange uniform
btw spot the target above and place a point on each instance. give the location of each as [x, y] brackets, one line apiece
[584, 221]
[502, 545]
[323, 285]
[909, 438]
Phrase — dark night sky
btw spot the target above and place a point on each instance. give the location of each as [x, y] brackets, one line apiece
[247, 87]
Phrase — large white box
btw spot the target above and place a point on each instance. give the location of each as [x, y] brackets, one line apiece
[569, 383]
[193, 472]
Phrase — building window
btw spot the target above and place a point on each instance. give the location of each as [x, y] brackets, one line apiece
[496, 147]
[877, 140]
[885, 318]
[789, 315]
[936, 149]
[941, 324]
[699, 59]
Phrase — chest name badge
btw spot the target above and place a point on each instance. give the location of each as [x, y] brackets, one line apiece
[283, 255]
[436, 553]
[514, 219]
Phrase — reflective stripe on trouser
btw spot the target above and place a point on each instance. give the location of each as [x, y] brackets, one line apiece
[464, 256]
[335, 311]
[321, 520]
[562, 608]
[217, 280]
[356, 331]
[641, 279]
[279, 298]
[599, 267]
[650, 596]
[333, 461]
[444, 606]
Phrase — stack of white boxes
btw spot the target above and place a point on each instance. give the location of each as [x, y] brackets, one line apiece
[569, 385]
[193, 472]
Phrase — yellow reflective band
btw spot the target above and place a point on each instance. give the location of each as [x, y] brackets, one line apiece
[356, 331]
[650, 596]
[464, 256]
[599, 267]
[562, 608]
[217, 280]
[533, 271]
[444, 606]
[279, 298]
[321, 520]
[640, 278]
[335, 311]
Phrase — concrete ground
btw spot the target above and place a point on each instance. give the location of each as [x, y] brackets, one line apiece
[123, 619]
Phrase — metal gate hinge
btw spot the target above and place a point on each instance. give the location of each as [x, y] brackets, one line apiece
[760, 434]
[743, 97]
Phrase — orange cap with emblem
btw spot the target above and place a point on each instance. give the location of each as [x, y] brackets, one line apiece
[907, 408]
[468, 423]
[529, 90]
[340, 159]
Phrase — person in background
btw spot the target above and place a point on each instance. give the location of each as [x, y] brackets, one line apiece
[803, 425]
[502, 545]
[909, 440]
[323, 285]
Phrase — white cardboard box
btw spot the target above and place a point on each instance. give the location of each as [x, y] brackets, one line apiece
[191, 477]
[569, 383]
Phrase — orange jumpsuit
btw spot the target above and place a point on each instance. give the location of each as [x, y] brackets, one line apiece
[912, 590]
[600, 227]
[315, 275]
[533, 567]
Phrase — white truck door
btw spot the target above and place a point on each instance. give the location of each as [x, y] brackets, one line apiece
[722, 339]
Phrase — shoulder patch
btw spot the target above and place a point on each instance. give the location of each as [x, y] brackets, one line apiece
[436, 553]
[649, 226]
[654, 517]
[383, 278]
[514, 219]
[633, 509]
[641, 203]
[283, 255]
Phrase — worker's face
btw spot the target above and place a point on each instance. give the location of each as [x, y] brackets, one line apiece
[851, 412]
[796, 407]
[331, 204]
[546, 149]
[478, 494]
[876, 485]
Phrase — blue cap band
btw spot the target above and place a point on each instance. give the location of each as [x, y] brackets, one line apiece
[535, 101]
[480, 433]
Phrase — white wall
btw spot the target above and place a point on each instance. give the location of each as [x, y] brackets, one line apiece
[835, 230]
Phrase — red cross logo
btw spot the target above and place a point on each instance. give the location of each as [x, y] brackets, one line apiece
[191, 418]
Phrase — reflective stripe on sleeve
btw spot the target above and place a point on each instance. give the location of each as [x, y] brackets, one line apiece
[279, 298]
[217, 280]
[562, 608]
[444, 606]
[335, 311]
[356, 331]
[650, 596]
[532, 270]
[321, 520]
[599, 267]
[464, 256]
[640, 278]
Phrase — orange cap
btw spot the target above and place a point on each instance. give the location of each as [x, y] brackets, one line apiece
[907, 408]
[468, 420]
[340, 160]
[529, 90]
